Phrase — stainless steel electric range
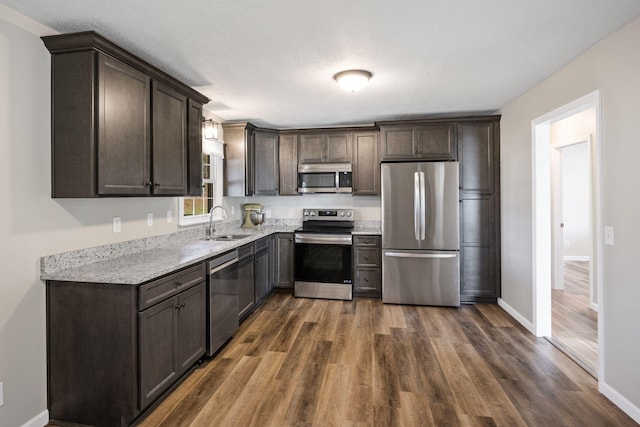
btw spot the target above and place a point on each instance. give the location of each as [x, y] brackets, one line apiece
[323, 254]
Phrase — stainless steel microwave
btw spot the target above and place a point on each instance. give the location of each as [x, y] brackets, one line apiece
[324, 178]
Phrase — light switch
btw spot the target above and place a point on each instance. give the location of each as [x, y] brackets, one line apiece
[608, 235]
[117, 224]
[169, 217]
[149, 219]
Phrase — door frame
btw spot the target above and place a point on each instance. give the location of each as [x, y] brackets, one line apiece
[541, 225]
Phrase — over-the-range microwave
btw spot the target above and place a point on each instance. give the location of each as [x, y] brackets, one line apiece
[324, 178]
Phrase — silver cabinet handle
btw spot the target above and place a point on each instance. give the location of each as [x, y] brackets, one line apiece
[222, 266]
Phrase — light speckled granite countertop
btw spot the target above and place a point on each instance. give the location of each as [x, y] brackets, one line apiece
[140, 267]
[139, 261]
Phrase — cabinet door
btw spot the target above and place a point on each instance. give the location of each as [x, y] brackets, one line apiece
[437, 142]
[475, 143]
[288, 164]
[338, 147]
[283, 274]
[397, 142]
[366, 164]
[192, 322]
[158, 328]
[169, 141]
[194, 149]
[124, 140]
[261, 275]
[245, 287]
[265, 163]
[312, 148]
[478, 241]
[238, 159]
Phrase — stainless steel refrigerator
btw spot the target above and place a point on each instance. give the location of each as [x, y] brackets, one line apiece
[420, 233]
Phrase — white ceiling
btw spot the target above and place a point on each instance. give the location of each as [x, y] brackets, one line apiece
[272, 62]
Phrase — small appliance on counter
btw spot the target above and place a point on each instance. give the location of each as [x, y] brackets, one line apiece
[253, 215]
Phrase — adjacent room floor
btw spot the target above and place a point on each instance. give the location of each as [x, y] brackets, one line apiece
[575, 324]
[311, 362]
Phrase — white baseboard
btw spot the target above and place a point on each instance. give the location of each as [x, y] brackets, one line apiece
[620, 401]
[40, 420]
[516, 315]
[594, 307]
[577, 258]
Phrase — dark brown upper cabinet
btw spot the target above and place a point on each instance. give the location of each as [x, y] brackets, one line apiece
[251, 160]
[366, 163]
[288, 164]
[266, 163]
[324, 147]
[417, 141]
[120, 127]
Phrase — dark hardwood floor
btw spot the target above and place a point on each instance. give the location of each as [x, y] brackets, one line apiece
[304, 362]
[575, 325]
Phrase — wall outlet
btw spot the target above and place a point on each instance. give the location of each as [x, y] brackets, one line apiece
[268, 213]
[233, 210]
[117, 224]
[1, 394]
[149, 219]
[567, 243]
[608, 235]
[169, 217]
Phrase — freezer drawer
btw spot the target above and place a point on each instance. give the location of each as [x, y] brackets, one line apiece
[421, 277]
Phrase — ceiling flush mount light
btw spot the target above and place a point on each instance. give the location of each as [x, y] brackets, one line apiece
[352, 80]
[210, 129]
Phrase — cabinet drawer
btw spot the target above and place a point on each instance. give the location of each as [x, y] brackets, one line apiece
[367, 257]
[261, 244]
[245, 251]
[367, 279]
[366, 241]
[153, 292]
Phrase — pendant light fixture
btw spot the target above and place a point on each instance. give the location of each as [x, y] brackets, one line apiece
[352, 80]
[210, 129]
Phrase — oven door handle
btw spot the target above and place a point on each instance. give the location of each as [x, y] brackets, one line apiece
[324, 239]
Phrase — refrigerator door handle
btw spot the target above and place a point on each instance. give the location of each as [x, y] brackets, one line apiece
[415, 255]
[423, 210]
[416, 205]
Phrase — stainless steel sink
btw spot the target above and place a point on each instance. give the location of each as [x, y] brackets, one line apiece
[227, 237]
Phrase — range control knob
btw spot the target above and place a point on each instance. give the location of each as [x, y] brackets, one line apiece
[348, 213]
[341, 213]
[306, 213]
[313, 213]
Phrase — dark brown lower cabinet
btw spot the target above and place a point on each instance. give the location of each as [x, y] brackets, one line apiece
[367, 266]
[262, 284]
[282, 261]
[114, 349]
[172, 337]
[246, 293]
[479, 242]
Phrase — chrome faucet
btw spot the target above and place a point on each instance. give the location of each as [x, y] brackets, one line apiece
[212, 229]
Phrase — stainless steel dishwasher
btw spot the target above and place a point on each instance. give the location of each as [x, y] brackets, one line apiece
[222, 300]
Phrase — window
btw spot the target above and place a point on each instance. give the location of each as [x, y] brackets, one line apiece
[194, 210]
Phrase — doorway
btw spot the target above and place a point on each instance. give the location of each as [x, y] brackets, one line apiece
[550, 244]
[573, 298]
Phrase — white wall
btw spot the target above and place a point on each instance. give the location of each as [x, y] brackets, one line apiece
[613, 67]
